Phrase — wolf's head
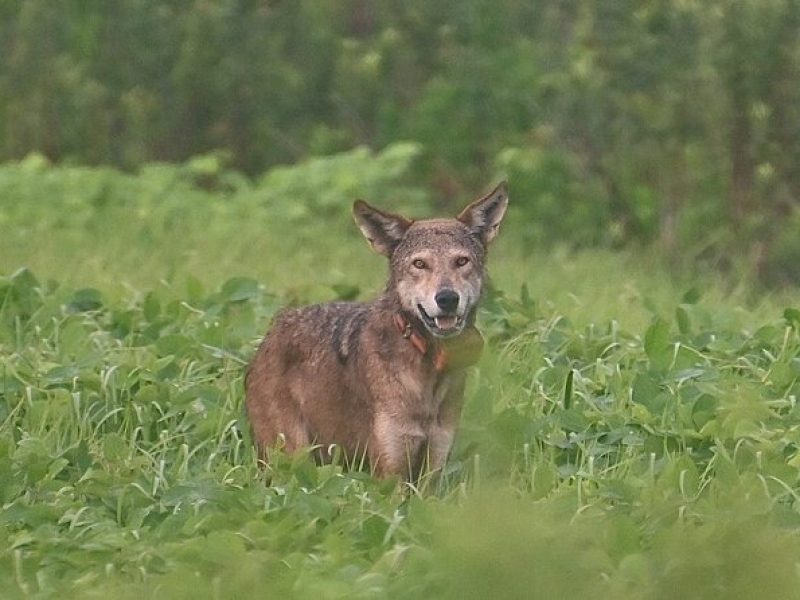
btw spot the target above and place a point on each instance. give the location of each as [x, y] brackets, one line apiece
[437, 265]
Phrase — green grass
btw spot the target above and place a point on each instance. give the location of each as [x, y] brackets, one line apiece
[628, 434]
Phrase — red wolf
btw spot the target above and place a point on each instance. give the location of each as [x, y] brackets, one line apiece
[382, 380]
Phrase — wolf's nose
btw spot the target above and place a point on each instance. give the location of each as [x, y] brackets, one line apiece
[447, 300]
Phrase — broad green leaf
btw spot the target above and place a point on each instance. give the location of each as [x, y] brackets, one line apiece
[683, 320]
[656, 345]
[573, 420]
[86, 299]
[647, 392]
[345, 291]
[792, 316]
[175, 344]
[151, 307]
[24, 280]
[238, 289]
[704, 410]
[691, 296]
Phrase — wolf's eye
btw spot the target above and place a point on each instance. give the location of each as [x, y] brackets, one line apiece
[461, 261]
[419, 264]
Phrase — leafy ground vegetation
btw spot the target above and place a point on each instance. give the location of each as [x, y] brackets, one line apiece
[626, 435]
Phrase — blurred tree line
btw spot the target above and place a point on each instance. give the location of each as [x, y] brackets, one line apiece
[624, 122]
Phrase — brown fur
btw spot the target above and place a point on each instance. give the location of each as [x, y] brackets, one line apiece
[354, 375]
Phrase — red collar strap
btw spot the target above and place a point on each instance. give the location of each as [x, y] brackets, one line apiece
[460, 352]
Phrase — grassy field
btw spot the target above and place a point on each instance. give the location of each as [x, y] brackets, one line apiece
[627, 434]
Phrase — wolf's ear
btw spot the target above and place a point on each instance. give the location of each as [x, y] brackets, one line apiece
[382, 230]
[484, 215]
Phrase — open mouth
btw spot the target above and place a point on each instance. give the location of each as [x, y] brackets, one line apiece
[442, 325]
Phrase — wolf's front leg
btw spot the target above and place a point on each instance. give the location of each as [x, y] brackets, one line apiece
[442, 433]
[396, 446]
[440, 440]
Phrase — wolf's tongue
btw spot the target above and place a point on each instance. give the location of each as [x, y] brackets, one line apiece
[445, 322]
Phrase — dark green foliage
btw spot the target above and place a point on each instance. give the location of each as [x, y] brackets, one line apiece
[666, 122]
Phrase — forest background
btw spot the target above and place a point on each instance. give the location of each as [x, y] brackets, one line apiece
[665, 123]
